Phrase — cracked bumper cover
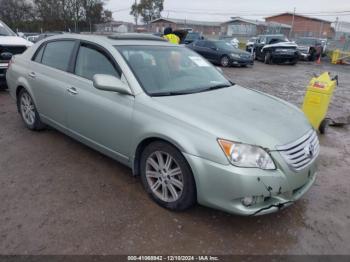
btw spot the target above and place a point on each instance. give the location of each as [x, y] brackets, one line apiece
[223, 186]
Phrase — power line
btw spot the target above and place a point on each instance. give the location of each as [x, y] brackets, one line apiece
[334, 13]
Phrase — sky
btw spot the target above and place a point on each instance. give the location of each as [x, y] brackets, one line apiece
[222, 10]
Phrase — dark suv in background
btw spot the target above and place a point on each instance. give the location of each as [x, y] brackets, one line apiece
[275, 49]
[310, 48]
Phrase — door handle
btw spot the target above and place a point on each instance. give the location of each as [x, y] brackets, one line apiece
[72, 90]
[32, 75]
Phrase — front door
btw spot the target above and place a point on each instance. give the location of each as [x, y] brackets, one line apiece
[101, 118]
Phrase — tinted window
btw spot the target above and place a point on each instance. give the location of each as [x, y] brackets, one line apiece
[39, 54]
[209, 44]
[200, 43]
[57, 54]
[91, 61]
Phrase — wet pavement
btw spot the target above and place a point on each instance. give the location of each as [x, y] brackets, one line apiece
[57, 196]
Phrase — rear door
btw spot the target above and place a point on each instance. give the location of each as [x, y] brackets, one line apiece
[211, 52]
[101, 118]
[198, 46]
[47, 77]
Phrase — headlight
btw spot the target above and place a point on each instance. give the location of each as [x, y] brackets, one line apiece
[235, 56]
[243, 155]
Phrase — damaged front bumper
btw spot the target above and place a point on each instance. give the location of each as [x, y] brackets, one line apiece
[224, 187]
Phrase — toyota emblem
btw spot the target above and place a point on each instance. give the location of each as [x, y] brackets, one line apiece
[309, 150]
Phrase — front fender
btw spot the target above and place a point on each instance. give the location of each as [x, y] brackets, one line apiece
[189, 139]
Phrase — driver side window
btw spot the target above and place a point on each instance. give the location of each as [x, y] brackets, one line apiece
[91, 61]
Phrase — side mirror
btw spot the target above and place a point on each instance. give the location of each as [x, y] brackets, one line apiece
[110, 83]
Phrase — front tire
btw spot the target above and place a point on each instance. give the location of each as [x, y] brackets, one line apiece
[225, 61]
[268, 58]
[28, 112]
[167, 177]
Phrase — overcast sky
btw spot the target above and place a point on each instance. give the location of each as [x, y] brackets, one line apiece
[222, 10]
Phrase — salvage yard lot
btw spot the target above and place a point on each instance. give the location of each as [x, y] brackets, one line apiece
[60, 197]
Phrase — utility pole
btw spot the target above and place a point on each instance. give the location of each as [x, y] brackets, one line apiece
[137, 15]
[336, 27]
[292, 28]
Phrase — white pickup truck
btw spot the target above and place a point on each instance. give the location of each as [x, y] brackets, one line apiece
[10, 44]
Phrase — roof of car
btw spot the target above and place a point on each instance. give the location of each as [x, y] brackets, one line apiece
[117, 39]
[273, 35]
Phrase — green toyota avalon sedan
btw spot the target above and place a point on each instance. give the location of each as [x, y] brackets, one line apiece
[163, 110]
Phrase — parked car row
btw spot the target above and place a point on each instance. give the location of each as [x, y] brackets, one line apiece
[303, 48]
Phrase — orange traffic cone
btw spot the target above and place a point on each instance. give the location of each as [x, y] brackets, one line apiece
[318, 60]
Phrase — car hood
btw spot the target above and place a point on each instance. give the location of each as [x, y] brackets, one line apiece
[239, 114]
[282, 44]
[14, 41]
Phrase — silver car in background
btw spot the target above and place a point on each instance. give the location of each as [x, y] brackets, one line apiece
[161, 109]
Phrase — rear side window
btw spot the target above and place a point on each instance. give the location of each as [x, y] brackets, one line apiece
[57, 54]
[209, 44]
[39, 54]
[92, 61]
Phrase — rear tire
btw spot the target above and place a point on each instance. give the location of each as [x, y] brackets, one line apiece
[28, 112]
[167, 177]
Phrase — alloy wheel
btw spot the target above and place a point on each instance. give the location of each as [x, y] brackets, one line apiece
[164, 176]
[225, 61]
[27, 109]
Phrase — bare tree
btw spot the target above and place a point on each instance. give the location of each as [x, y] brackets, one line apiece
[148, 9]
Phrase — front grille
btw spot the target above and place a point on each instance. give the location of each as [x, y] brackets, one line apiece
[15, 50]
[245, 56]
[302, 152]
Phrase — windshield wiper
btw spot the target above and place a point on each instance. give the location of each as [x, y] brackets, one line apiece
[193, 91]
[214, 87]
[173, 93]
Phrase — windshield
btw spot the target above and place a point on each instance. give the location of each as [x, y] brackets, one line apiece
[5, 30]
[306, 41]
[192, 36]
[276, 39]
[167, 70]
[223, 45]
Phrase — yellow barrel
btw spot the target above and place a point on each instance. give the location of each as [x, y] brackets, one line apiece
[317, 98]
[335, 56]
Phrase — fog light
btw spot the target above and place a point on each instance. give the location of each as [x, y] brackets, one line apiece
[248, 201]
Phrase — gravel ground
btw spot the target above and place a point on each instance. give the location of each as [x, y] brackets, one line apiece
[60, 197]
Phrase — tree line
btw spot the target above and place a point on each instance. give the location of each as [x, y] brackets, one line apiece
[53, 15]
